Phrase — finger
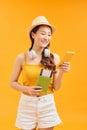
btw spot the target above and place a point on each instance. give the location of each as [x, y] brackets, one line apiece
[66, 62]
[35, 94]
[65, 68]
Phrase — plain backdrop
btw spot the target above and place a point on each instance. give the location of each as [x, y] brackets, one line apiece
[70, 20]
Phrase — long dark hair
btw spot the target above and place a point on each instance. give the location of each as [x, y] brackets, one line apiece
[48, 62]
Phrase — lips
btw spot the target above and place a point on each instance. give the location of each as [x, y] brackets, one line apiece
[44, 42]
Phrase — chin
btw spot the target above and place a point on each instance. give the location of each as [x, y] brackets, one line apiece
[44, 45]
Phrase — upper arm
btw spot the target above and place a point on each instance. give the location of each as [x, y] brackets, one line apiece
[17, 67]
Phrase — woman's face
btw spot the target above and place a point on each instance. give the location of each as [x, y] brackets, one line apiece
[42, 37]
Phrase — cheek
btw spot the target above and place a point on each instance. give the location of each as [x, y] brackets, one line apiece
[38, 37]
[50, 38]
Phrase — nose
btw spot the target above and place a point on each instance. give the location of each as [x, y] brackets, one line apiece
[46, 37]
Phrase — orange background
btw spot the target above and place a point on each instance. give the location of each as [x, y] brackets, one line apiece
[70, 19]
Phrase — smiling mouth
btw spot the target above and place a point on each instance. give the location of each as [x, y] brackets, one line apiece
[45, 43]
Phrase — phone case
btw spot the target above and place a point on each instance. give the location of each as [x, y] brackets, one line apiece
[67, 57]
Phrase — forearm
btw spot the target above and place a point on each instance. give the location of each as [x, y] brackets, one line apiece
[15, 85]
[57, 79]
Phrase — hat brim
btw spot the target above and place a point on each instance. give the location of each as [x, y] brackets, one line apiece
[33, 26]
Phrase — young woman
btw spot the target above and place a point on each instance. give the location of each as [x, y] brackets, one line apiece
[37, 108]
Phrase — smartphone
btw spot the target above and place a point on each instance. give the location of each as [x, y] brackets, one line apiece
[66, 58]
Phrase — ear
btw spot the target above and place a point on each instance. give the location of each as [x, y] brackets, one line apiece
[33, 34]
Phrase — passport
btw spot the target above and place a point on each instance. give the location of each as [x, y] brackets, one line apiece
[44, 79]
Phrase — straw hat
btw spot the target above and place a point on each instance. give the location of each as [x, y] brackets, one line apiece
[40, 20]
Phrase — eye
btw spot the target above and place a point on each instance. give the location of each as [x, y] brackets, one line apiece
[49, 35]
[42, 33]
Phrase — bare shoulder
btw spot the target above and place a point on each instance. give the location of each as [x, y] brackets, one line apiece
[20, 56]
[56, 58]
[20, 59]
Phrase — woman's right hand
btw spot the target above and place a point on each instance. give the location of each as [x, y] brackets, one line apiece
[33, 90]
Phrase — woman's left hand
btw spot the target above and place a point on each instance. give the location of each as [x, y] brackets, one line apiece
[65, 67]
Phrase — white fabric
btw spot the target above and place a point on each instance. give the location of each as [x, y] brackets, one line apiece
[37, 112]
